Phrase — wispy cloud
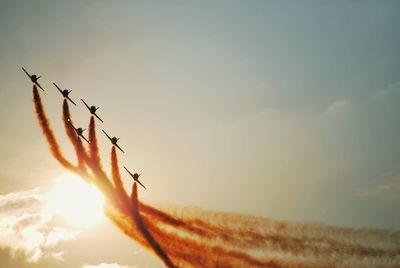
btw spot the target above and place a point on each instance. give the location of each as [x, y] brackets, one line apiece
[338, 105]
[26, 227]
[107, 265]
[387, 189]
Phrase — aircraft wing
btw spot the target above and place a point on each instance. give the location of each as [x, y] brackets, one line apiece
[141, 184]
[84, 138]
[59, 89]
[39, 86]
[72, 126]
[99, 118]
[26, 72]
[128, 171]
[119, 148]
[107, 135]
[71, 101]
[85, 104]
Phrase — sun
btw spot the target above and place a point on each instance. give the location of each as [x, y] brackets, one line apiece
[76, 201]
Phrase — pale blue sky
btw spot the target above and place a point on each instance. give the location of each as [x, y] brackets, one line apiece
[286, 110]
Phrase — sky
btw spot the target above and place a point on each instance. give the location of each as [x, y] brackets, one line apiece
[279, 109]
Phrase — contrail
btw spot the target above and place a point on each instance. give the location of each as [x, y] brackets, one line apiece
[191, 237]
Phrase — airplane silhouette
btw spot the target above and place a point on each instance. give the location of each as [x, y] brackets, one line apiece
[65, 93]
[135, 176]
[113, 140]
[92, 110]
[78, 131]
[34, 78]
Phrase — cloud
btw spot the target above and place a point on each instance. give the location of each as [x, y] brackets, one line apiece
[107, 265]
[18, 201]
[337, 105]
[387, 189]
[26, 227]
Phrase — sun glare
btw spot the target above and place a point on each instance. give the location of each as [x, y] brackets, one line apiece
[76, 201]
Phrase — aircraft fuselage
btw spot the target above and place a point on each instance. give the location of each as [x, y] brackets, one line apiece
[114, 140]
[93, 109]
[34, 78]
[65, 93]
[79, 130]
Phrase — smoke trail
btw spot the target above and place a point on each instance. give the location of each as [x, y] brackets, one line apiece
[47, 131]
[148, 236]
[185, 251]
[130, 222]
[115, 173]
[134, 197]
[189, 237]
[104, 185]
[95, 159]
[95, 164]
[94, 149]
[73, 136]
[286, 244]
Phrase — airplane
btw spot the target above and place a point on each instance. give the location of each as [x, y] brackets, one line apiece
[78, 131]
[65, 93]
[34, 78]
[114, 141]
[135, 177]
[92, 110]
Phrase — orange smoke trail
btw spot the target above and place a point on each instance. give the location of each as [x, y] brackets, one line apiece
[241, 238]
[283, 244]
[115, 173]
[130, 222]
[191, 237]
[198, 253]
[95, 160]
[47, 131]
[165, 218]
[134, 197]
[73, 136]
[104, 186]
[145, 232]
[94, 149]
